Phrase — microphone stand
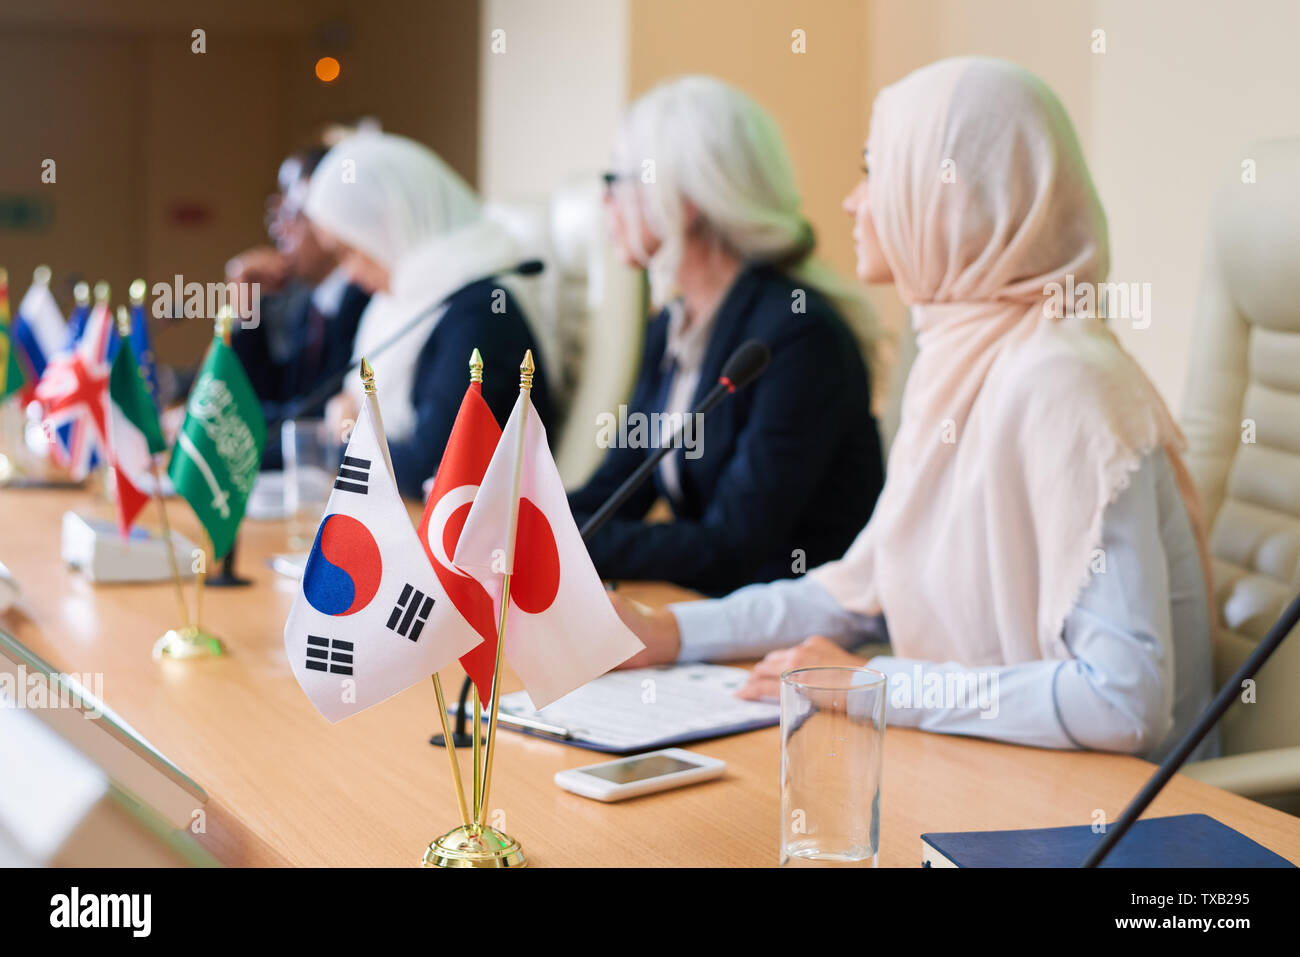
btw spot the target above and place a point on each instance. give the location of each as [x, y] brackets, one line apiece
[227, 578]
[643, 471]
[529, 267]
[1208, 719]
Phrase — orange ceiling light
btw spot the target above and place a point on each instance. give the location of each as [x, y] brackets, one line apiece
[327, 69]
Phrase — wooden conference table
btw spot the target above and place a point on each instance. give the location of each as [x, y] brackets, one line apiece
[287, 788]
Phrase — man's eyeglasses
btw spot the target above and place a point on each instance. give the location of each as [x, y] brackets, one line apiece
[609, 178]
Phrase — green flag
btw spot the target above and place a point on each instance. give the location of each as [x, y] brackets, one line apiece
[219, 448]
[11, 373]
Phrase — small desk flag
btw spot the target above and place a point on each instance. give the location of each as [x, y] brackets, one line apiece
[142, 345]
[73, 395]
[469, 451]
[370, 618]
[562, 630]
[12, 377]
[39, 333]
[134, 434]
[219, 447]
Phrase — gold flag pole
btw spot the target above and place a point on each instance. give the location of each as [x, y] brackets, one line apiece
[479, 845]
[193, 641]
[372, 399]
[171, 548]
[526, 370]
[477, 732]
[476, 375]
[448, 740]
[124, 330]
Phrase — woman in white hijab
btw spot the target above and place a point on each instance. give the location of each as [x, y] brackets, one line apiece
[408, 229]
[1036, 552]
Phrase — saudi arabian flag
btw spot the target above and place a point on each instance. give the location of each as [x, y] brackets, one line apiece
[219, 448]
[134, 435]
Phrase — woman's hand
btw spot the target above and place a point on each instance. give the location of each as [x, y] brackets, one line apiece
[656, 627]
[765, 679]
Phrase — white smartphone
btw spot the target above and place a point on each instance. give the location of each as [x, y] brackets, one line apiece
[639, 774]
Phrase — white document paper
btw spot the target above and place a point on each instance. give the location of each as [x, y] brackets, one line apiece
[644, 708]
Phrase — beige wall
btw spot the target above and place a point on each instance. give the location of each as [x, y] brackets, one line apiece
[138, 124]
[1164, 115]
[818, 97]
[552, 99]
[1177, 96]
[142, 128]
[94, 141]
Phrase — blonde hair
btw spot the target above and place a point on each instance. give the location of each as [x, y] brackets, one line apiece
[701, 140]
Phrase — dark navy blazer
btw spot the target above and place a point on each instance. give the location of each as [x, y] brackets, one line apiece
[790, 467]
[320, 354]
[442, 376]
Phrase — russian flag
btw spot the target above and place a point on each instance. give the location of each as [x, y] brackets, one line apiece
[39, 333]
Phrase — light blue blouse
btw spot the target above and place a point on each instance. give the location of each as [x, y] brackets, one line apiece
[1139, 636]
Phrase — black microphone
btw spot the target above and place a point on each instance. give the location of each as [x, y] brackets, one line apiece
[529, 267]
[744, 366]
[1207, 720]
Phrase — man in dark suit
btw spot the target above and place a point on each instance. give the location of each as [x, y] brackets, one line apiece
[783, 475]
[309, 316]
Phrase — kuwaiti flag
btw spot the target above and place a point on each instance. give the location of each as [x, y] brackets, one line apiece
[561, 630]
[39, 333]
[370, 618]
[466, 458]
[134, 435]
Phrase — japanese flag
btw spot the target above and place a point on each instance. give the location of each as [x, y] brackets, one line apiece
[371, 618]
[561, 630]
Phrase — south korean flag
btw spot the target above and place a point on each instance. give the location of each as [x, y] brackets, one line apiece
[370, 618]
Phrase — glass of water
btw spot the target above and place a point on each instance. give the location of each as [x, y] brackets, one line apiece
[832, 743]
[311, 457]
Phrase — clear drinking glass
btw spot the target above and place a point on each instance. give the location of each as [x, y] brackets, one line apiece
[832, 743]
[311, 459]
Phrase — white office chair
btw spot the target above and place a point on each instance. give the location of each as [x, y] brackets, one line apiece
[592, 315]
[1242, 419]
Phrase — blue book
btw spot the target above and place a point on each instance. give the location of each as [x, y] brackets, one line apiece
[1186, 840]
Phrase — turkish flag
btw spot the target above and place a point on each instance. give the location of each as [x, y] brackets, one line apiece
[469, 450]
[562, 630]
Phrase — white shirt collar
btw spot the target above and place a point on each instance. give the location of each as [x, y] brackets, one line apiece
[327, 297]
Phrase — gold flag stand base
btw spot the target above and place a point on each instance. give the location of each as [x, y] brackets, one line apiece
[462, 847]
[190, 642]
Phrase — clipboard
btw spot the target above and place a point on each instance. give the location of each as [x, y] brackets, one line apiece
[643, 709]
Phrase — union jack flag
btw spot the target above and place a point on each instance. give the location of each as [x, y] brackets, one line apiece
[73, 394]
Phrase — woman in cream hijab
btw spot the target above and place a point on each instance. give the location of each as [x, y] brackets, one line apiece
[1036, 554]
[408, 229]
